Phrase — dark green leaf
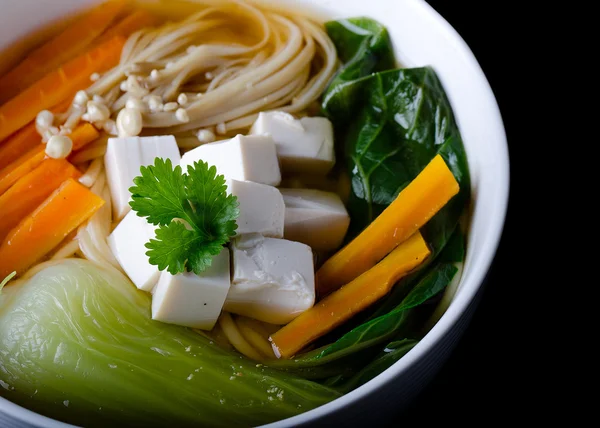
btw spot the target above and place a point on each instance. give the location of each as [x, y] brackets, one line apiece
[398, 122]
[384, 360]
[364, 46]
[159, 193]
[195, 214]
[379, 329]
[172, 246]
[214, 210]
[451, 253]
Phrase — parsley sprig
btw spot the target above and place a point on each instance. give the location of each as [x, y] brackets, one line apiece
[166, 196]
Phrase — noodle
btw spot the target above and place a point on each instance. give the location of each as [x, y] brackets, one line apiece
[66, 251]
[256, 339]
[241, 59]
[92, 236]
[223, 65]
[236, 338]
[248, 336]
[91, 153]
[92, 173]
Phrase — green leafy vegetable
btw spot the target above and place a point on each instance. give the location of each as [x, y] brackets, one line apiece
[391, 353]
[379, 329]
[195, 214]
[360, 354]
[388, 125]
[364, 46]
[398, 122]
[78, 344]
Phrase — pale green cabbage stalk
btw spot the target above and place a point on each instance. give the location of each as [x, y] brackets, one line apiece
[77, 343]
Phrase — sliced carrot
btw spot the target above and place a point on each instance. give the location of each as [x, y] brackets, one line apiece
[21, 167]
[31, 190]
[58, 85]
[40, 232]
[18, 144]
[133, 22]
[24, 139]
[413, 207]
[59, 49]
[81, 136]
[351, 298]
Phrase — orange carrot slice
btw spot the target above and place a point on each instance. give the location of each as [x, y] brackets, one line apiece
[21, 167]
[60, 49]
[133, 22]
[81, 136]
[47, 226]
[31, 190]
[24, 139]
[351, 298]
[413, 207]
[17, 145]
[58, 85]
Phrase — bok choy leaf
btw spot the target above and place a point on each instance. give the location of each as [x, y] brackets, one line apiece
[77, 343]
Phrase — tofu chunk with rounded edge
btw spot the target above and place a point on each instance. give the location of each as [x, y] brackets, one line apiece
[315, 217]
[273, 280]
[243, 158]
[303, 145]
[127, 243]
[261, 208]
[123, 159]
[193, 300]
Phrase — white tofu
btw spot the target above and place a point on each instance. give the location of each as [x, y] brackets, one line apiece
[243, 158]
[261, 208]
[193, 300]
[123, 159]
[303, 145]
[127, 243]
[273, 280]
[315, 217]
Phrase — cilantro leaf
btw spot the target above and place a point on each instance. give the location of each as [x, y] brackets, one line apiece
[159, 193]
[171, 247]
[195, 215]
[215, 210]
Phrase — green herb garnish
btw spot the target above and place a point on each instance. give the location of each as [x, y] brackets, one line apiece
[195, 214]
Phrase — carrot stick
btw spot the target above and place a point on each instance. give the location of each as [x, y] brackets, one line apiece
[133, 22]
[31, 190]
[413, 207]
[351, 298]
[60, 49]
[24, 139]
[18, 144]
[58, 85]
[81, 136]
[21, 167]
[40, 232]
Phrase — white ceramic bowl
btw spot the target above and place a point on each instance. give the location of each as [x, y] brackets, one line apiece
[421, 37]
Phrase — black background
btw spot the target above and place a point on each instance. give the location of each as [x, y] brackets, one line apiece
[483, 381]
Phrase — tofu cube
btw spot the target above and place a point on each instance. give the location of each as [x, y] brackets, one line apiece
[315, 217]
[193, 300]
[243, 158]
[261, 208]
[273, 279]
[123, 159]
[303, 145]
[127, 243]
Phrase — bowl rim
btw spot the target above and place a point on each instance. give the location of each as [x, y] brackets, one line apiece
[460, 302]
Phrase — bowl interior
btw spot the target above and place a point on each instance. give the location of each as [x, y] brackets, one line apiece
[421, 37]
